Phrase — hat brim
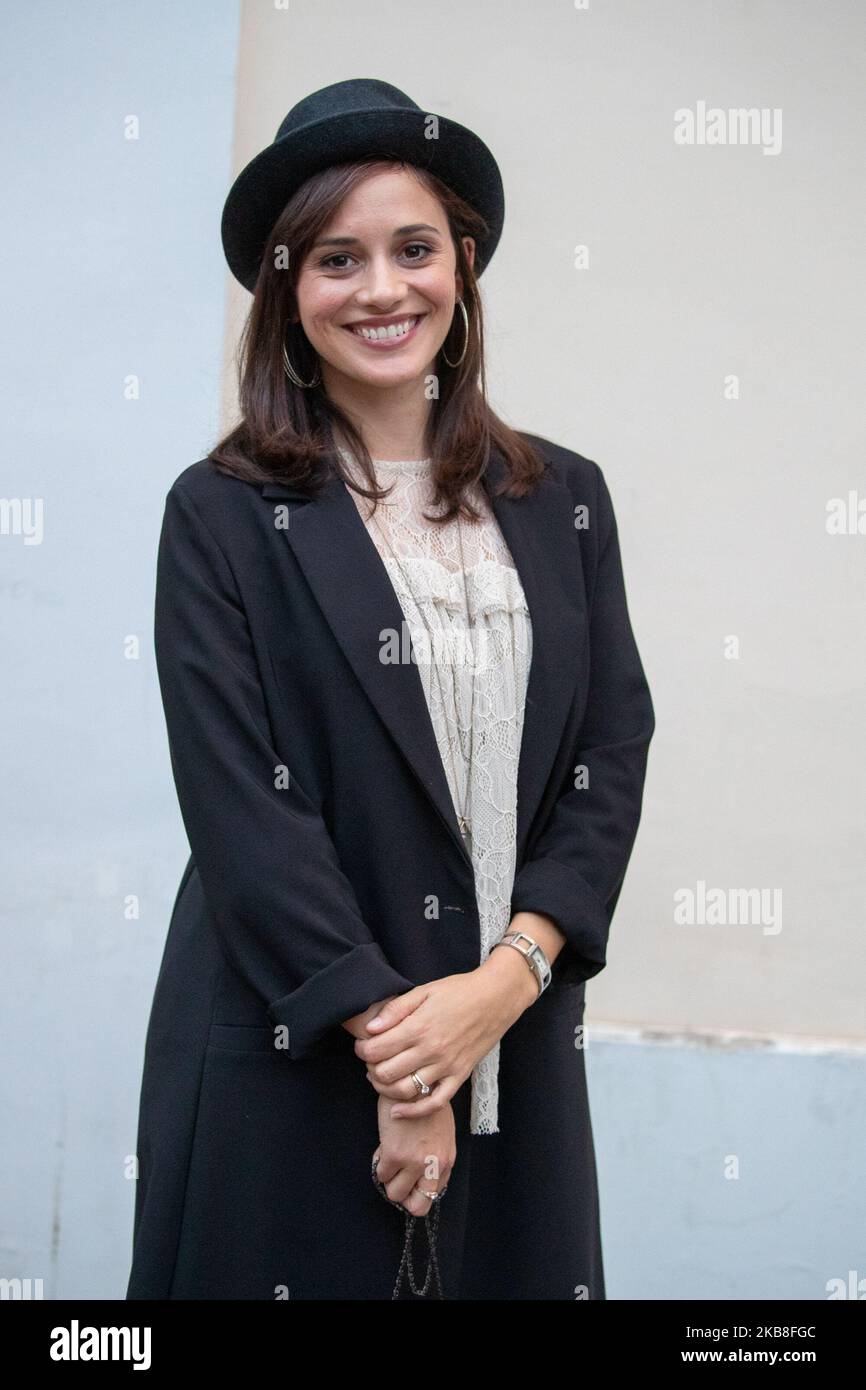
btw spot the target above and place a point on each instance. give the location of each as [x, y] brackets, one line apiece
[260, 192]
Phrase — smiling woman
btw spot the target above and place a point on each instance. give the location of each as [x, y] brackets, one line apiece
[376, 961]
[384, 267]
[373, 244]
[385, 329]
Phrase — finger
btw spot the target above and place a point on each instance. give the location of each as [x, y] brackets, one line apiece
[401, 1066]
[426, 1105]
[395, 1011]
[397, 1039]
[401, 1090]
[386, 1171]
[416, 1203]
[424, 1181]
[401, 1083]
[400, 1185]
[400, 1038]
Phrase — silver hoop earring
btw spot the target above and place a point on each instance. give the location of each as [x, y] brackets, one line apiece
[466, 337]
[293, 376]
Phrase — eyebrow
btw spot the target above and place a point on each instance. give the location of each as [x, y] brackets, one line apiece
[355, 241]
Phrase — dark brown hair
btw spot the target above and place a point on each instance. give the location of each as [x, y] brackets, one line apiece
[286, 432]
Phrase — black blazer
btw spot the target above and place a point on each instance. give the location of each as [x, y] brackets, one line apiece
[327, 867]
[269, 621]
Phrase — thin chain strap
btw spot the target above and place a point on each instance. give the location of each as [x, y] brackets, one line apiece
[432, 1229]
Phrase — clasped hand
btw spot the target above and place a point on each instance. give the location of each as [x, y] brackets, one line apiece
[440, 1030]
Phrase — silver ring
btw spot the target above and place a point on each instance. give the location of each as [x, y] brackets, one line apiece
[432, 1196]
[420, 1086]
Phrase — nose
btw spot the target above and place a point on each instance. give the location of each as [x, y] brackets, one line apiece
[384, 283]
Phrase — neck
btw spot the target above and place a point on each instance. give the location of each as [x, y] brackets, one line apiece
[392, 422]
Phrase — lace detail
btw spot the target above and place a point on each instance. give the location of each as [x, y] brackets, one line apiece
[423, 561]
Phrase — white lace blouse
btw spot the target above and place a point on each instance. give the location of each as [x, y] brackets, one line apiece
[479, 743]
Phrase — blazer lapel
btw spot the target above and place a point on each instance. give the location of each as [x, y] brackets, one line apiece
[352, 587]
[540, 533]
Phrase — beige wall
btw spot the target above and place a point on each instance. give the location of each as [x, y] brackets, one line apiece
[704, 261]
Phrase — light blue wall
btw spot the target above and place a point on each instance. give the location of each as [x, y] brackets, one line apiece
[671, 1121]
[112, 266]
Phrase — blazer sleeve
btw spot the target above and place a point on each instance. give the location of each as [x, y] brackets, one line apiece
[578, 864]
[285, 913]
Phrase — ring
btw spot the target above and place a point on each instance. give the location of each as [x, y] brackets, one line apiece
[432, 1196]
[420, 1086]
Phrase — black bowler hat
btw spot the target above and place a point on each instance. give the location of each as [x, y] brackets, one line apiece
[346, 121]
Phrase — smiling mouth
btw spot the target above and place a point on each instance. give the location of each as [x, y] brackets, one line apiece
[385, 333]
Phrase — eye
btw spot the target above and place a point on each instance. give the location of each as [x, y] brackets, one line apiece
[327, 263]
[337, 256]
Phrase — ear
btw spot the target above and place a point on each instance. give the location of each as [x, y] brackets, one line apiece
[469, 248]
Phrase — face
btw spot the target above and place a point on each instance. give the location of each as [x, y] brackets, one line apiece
[385, 258]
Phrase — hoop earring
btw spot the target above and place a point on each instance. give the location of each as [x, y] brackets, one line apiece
[293, 376]
[466, 337]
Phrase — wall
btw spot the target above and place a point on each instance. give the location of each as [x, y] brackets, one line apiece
[111, 358]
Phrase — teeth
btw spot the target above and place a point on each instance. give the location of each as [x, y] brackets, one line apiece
[393, 330]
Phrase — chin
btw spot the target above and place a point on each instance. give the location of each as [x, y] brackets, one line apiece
[388, 375]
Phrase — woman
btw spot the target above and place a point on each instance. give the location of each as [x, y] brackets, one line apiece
[409, 742]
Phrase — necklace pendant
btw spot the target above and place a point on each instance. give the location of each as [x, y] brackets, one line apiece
[465, 829]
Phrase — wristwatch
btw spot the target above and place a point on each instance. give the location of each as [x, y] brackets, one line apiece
[532, 954]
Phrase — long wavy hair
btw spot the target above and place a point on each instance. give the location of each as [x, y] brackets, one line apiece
[286, 433]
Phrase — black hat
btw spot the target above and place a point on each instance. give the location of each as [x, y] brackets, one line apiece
[346, 121]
